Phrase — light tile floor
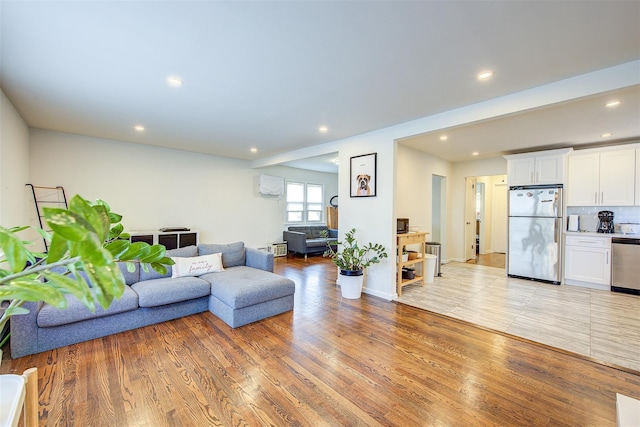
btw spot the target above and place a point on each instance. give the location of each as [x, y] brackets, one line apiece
[600, 324]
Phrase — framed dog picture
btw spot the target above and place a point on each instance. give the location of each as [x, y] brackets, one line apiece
[363, 175]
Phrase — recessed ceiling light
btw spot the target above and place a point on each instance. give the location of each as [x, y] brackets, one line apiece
[444, 138]
[139, 128]
[475, 153]
[254, 150]
[323, 129]
[606, 135]
[484, 75]
[612, 104]
[174, 81]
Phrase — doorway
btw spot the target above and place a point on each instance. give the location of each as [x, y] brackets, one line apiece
[486, 220]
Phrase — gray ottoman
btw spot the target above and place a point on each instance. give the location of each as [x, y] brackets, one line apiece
[241, 295]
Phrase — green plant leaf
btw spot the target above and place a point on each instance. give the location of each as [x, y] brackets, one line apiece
[108, 282]
[92, 252]
[57, 249]
[76, 287]
[131, 266]
[26, 289]
[159, 267]
[117, 247]
[95, 215]
[156, 253]
[135, 251]
[116, 231]
[114, 218]
[13, 311]
[15, 253]
[70, 225]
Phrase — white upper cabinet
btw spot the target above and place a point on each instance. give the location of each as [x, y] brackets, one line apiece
[583, 179]
[602, 178]
[540, 168]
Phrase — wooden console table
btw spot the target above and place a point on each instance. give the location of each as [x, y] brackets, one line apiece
[402, 241]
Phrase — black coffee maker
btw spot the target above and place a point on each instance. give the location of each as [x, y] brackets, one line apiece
[605, 223]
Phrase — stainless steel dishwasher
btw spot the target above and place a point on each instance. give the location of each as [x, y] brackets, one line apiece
[625, 265]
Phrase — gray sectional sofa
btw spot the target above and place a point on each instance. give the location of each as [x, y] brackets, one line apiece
[246, 290]
[308, 239]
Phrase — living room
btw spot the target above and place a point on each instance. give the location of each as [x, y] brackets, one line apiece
[155, 185]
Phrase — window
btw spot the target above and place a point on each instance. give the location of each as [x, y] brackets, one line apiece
[304, 202]
[314, 203]
[295, 202]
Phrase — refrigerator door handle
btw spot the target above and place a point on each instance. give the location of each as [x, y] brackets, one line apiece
[555, 231]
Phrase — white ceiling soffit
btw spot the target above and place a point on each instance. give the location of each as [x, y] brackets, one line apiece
[326, 163]
[267, 74]
[568, 124]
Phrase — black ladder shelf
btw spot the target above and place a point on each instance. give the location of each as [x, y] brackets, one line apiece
[47, 197]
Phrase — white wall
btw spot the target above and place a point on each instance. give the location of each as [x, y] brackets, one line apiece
[414, 189]
[14, 165]
[372, 217]
[158, 187]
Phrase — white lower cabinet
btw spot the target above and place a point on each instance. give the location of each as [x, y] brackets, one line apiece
[587, 261]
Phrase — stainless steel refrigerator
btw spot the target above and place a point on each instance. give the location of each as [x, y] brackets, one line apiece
[535, 232]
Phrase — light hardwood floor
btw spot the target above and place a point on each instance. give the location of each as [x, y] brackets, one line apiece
[329, 362]
[490, 260]
[599, 324]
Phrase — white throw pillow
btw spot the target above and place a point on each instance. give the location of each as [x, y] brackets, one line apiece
[196, 266]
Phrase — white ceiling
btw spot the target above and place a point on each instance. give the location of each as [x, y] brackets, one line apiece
[267, 74]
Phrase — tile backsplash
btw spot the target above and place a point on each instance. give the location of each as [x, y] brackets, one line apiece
[589, 215]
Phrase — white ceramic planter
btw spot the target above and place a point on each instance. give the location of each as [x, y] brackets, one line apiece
[351, 285]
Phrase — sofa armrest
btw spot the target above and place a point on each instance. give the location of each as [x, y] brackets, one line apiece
[296, 241]
[333, 233]
[259, 259]
[24, 331]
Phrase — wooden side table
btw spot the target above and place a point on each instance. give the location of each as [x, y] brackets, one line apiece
[402, 241]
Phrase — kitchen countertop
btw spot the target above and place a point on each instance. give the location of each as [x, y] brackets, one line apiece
[595, 234]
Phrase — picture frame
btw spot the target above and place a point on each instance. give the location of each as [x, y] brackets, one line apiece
[363, 175]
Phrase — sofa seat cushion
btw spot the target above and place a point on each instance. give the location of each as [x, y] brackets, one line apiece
[242, 286]
[76, 311]
[321, 243]
[152, 293]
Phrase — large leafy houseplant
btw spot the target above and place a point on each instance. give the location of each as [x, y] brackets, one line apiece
[86, 238]
[352, 256]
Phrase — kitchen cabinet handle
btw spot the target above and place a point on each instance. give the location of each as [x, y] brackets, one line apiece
[532, 177]
[602, 198]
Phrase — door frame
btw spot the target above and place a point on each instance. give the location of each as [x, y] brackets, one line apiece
[470, 219]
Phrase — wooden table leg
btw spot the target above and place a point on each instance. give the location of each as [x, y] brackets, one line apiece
[31, 397]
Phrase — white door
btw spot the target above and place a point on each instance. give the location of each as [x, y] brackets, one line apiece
[499, 218]
[470, 219]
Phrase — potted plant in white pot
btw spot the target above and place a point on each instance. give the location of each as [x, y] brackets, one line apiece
[352, 259]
